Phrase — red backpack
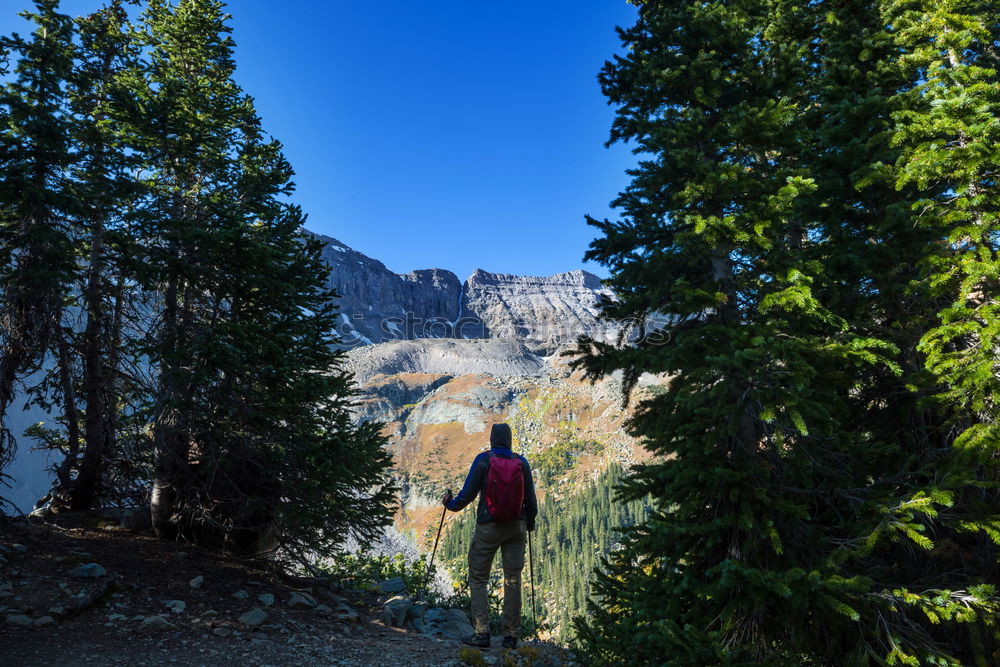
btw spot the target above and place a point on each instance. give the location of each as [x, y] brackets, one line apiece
[504, 488]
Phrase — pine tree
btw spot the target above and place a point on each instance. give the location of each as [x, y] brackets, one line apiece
[254, 444]
[948, 135]
[36, 242]
[104, 183]
[186, 133]
[146, 224]
[713, 234]
[947, 131]
[275, 422]
[794, 489]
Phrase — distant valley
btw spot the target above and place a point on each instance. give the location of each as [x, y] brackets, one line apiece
[438, 360]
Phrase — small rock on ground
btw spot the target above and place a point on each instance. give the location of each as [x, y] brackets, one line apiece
[301, 600]
[391, 586]
[20, 620]
[254, 617]
[176, 606]
[157, 624]
[394, 611]
[88, 571]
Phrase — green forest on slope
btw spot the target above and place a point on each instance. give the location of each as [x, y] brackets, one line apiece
[572, 535]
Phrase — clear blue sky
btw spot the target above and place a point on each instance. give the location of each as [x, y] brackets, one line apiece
[439, 133]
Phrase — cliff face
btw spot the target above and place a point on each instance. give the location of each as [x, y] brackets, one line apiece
[377, 305]
[542, 313]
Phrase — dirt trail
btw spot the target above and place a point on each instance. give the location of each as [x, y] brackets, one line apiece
[143, 609]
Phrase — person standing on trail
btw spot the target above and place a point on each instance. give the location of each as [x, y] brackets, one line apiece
[506, 512]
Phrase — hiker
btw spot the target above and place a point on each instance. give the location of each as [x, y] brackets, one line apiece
[506, 512]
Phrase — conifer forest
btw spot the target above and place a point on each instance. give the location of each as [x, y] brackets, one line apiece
[158, 293]
[806, 253]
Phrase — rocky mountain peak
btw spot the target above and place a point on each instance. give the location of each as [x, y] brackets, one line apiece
[436, 277]
[544, 313]
[572, 279]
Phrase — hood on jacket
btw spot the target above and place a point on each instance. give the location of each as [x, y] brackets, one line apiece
[500, 436]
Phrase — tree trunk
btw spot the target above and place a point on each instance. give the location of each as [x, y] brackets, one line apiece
[11, 362]
[95, 378]
[70, 410]
[165, 427]
[169, 439]
[722, 274]
[114, 361]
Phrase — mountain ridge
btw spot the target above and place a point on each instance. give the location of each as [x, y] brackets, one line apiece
[592, 279]
[378, 305]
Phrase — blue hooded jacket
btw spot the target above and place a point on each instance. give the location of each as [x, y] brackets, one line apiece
[500, 442]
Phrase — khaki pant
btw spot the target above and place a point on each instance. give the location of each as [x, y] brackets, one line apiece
[510, 538]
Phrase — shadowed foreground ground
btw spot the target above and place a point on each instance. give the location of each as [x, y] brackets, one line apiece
[131, 615]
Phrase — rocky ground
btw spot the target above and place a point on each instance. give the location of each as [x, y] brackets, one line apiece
[83, 590]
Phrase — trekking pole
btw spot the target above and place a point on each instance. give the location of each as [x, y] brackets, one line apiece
[430, 568]
[531, 577]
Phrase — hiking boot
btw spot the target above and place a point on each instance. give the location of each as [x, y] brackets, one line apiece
[479, 640]
[510, 642]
